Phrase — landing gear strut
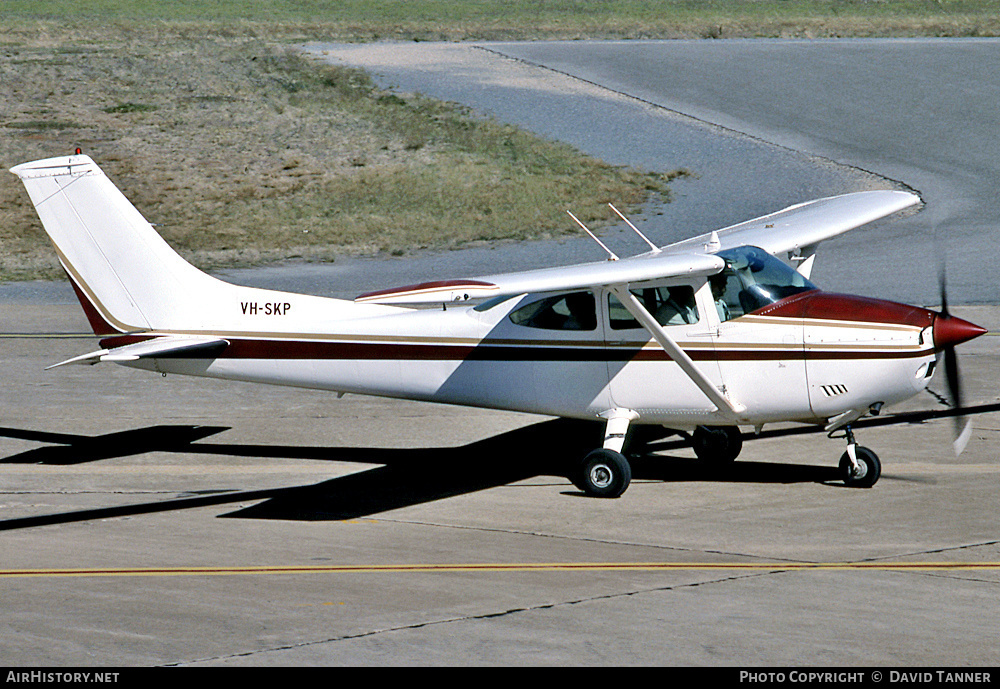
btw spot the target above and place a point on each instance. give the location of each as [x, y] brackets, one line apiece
[859, 466]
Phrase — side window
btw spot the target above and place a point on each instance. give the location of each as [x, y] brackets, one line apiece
[575, 311]
[669, 306]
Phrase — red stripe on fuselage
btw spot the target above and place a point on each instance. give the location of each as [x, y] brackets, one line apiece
[318, 350]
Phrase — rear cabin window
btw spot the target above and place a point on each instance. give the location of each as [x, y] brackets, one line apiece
[668, 305]
[575, 311]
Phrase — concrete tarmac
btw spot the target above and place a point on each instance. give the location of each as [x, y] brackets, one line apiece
[178, 521]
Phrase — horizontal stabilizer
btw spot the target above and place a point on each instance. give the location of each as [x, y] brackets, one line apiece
[169, 346]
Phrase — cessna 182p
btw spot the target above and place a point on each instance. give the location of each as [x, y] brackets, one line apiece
[702, 336]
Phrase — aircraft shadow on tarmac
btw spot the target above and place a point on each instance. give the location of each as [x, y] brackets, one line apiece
[406, 476]
[79, 449]
[410, 477]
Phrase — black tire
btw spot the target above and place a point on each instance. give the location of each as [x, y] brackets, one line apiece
[717, 444]
[870, 468]
[604, 474]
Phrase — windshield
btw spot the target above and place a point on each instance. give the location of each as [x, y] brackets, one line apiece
[752, 280]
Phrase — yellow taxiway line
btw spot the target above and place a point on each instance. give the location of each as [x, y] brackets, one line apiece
[496, 567]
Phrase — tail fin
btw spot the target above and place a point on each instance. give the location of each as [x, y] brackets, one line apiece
[115, 259]
[128, 279]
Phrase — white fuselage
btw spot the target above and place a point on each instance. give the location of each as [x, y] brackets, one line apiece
[778, 367]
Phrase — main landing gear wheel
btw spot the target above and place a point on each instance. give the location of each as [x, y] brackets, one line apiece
[867, 472]
[604, 474]
[717, 444]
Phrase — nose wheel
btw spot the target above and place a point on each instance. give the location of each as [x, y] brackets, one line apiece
[859, 466]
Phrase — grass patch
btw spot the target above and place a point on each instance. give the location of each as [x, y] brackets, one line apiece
[241, 151]
[531, 19]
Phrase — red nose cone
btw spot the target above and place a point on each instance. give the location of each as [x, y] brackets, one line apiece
[950, 331]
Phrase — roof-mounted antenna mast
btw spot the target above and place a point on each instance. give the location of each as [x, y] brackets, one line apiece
[621, 215]
[611, 254]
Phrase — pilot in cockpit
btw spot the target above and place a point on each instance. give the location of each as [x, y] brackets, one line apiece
[718, 283]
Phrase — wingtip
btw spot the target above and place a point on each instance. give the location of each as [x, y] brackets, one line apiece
[49, 166]
[88, 359]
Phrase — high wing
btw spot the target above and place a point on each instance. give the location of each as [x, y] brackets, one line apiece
[796, 230]
[806, 224]
[649, 266]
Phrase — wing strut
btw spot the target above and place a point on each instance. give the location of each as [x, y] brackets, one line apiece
[611, 254]
[727, 406]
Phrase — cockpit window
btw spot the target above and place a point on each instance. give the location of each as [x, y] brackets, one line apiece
[668, 305]
[752, 280]
[575, 311]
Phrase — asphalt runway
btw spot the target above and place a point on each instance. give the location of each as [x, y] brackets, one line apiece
[176, 521]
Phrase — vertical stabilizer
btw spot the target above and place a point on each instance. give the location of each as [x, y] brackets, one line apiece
[117, 262]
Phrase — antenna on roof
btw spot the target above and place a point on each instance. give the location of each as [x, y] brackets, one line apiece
[713, 244]
[593, 236]
[621, 215]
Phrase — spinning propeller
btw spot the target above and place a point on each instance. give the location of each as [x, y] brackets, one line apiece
[949, 332]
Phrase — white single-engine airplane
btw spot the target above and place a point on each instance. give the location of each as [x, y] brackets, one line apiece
[701, 337]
